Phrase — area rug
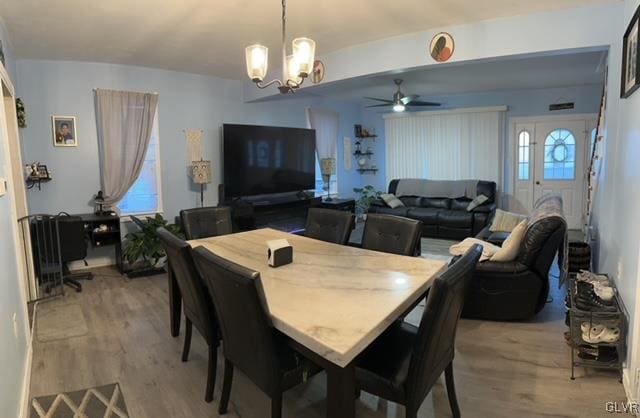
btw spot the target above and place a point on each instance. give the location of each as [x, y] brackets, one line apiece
[97, 402]
[58, 321]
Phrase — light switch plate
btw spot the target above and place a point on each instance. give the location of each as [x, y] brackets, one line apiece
[3, 186]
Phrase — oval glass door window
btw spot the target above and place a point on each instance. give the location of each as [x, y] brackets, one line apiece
[560, 155]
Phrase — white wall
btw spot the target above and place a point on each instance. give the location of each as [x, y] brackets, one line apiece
[14, 345]
[617, 202]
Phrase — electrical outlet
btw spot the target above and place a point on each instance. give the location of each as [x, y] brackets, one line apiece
[15, 325]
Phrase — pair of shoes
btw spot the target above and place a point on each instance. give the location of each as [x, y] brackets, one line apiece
[600, 354]
[601, 284]
[588, 300]
[587, 276]
[598, 333]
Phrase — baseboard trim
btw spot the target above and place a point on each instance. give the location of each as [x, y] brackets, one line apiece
[26, 380]
[628, 387]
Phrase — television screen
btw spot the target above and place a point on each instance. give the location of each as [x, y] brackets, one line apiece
[267, 159]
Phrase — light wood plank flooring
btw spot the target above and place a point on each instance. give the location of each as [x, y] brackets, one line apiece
[501, 369]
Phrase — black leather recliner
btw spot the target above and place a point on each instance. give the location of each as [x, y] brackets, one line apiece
[518, 289]
[443, 217]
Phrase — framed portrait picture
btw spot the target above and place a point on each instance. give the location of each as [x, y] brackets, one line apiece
[441, 47]
[630, 57]
[64, 131]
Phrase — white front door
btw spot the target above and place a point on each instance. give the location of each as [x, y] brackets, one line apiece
[551, 158]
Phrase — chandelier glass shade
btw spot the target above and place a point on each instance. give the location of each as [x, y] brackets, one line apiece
[295, 67]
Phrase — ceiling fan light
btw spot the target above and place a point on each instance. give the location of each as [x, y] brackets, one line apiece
[257, 59]
[304, 49]
[399, 107]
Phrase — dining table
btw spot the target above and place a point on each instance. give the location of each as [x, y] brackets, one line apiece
[332, 301]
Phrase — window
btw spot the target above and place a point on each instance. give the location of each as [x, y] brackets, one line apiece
[144, 196]
[333, 184]
[560, 155]
[523, 155]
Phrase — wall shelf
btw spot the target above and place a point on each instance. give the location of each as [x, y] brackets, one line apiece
[367, 170]
[363, 154]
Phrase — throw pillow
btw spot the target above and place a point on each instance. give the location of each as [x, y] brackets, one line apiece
[505, 221]
[460, 248]
[391, 200]
[480, 199]
[511, 246]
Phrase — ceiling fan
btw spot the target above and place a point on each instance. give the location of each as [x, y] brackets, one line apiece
[400, 102]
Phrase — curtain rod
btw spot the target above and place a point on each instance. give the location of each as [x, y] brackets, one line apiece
[126, 91]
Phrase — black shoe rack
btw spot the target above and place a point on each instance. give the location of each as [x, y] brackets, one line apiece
[609, 319]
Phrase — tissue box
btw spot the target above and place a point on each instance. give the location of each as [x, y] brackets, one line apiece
[280, 252]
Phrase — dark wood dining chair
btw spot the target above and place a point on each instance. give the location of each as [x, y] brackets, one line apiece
[206, 222]
[392, 234]
[250, 342]
[198, 308]
[403, 364]
[329, 225]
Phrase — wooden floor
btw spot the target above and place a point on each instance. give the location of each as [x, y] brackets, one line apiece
[501, 369]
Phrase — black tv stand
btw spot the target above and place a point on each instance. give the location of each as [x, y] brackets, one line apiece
[283, 212]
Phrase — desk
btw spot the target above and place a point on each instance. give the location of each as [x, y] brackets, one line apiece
[333, 300]
[106, 237]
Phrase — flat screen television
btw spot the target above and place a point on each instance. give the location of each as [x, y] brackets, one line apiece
[260, 160]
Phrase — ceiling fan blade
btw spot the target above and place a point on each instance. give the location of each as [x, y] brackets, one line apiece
[419, 103]
[380, 105]
[380, 100]
[408, 99]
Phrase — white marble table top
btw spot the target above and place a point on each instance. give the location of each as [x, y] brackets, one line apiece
[333, 299]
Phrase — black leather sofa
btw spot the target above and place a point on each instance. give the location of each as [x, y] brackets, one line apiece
[517, 290]
[443, 217]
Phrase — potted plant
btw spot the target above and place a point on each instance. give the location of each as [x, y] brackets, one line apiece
[366, 195]
[142, 248]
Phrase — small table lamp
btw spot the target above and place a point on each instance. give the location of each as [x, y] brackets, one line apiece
[201, 174]
[327, 168]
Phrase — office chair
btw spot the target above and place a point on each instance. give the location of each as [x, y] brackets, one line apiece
[58, 240]
[73, 247]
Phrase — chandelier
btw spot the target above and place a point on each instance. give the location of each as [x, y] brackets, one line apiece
[295, 67]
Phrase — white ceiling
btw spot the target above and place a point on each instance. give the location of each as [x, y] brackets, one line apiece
[209, 36]
[513, 73]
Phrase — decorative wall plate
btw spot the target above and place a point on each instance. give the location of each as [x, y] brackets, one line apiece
[317, 75]
[441, 47]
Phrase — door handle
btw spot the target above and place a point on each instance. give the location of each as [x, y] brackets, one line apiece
[537, 183]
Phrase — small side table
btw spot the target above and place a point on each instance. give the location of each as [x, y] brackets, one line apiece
[347, 205]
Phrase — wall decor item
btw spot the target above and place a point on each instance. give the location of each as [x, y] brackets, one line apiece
[194, 144]
[64, 131]
[630, 57]
[442, 47]
[21, 114]
[317, 74]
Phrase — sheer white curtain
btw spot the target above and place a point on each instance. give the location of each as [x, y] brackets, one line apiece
[445, 145]
[125, 121]
[325, 122]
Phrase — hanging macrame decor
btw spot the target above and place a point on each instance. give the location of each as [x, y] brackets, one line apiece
[194, 145]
